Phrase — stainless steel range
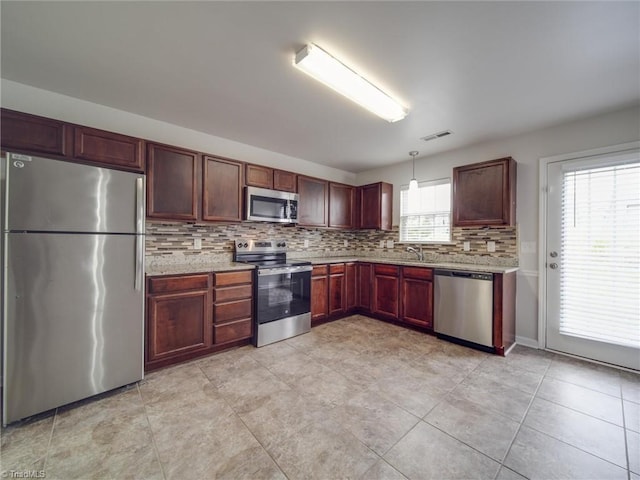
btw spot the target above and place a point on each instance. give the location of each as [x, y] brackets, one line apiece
[282, 298]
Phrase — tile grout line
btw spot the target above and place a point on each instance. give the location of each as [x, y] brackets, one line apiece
[153, 438]
[521, 423]
[222, 397]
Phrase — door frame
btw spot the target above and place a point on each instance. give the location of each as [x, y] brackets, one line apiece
[542, 225]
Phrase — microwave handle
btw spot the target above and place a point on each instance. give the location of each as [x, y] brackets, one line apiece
[287, 210]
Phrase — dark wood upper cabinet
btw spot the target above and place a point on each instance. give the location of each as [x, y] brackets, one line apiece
[375, 203]
[284, 181]
[341, 205]
[485, 193]
[30, 133]
[313, 201]
[416, 291]
[386, 282]
[258, 176]
[172, 183]
[221, 190]
[108, 148]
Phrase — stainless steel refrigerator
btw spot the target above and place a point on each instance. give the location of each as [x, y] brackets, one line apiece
[73, 282]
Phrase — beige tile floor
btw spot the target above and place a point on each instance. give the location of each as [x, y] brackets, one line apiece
[356, 398]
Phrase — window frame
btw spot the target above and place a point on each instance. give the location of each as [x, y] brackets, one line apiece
[422, 184]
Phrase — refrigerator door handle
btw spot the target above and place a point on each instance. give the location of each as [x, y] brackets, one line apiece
[140, 205]
[139, 265]
[139, 262]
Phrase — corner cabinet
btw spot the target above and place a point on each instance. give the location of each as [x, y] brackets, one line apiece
[485, 194]
[313, 203]
[172, 183]
[221, 189]
[374, 206]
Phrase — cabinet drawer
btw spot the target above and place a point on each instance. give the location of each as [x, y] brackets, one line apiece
[319, 270]
[226, 294]
[178, 284]
[233, 278]
[386, 270]
[230, 332]
[336, 268]
[417, 272]
[227, 312]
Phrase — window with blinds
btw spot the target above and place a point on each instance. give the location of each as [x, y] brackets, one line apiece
[600, 254]
[425, 213]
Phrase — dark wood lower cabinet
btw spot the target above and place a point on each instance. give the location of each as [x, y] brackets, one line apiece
[319, 293]
[194, 315]
[417, 296]
[178, 312]
[386, 281]
[336, 289]
[364, 273]
[350, 287]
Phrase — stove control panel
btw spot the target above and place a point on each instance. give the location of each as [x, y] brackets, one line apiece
[260, 246]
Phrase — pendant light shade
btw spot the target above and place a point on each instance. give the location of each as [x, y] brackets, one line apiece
[413, 184]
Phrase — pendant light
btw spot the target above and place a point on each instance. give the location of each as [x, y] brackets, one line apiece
[413, 184]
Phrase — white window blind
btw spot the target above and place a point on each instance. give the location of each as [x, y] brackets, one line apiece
[425, 213]
[600, 254]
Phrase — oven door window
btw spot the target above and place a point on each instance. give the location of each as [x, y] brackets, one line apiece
[267, 207]
[283, 295]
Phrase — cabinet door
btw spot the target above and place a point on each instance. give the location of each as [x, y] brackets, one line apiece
[177, 323]
[375, 206]
[258, 176]
[336, 288]
[386, 291]
[485, 193]
[108, 148]
[285, 181]
[341, 205]
[364, 284]
[351, 285]
[172, 183]
[417, 302]
[313, 201]
[24, 132]
[221, 190]
[319, 293]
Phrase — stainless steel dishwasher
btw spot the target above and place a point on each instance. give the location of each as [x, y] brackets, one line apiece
[463, 306]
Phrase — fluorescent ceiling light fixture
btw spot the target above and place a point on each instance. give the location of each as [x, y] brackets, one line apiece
[317, 63]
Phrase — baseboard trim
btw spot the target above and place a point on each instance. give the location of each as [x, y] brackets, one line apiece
[527, 342]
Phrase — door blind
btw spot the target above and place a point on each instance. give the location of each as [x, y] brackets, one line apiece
[600, 254]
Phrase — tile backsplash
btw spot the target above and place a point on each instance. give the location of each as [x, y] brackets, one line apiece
[177, 239]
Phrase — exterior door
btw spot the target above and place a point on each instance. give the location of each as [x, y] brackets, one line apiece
[593, 258]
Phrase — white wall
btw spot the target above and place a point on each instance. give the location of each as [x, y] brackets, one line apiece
[599, 131]
[23, 98]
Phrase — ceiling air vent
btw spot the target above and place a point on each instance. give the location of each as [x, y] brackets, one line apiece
[433, 136]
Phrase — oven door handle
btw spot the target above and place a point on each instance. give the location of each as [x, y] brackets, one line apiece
[280, 270]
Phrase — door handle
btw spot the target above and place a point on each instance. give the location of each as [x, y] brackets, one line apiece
[553, 254]
[553, 266]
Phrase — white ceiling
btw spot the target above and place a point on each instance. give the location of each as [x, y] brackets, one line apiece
[485, 70]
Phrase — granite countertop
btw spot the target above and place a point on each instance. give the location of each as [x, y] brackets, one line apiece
[179, 268]
[471, 267]
[182, 268]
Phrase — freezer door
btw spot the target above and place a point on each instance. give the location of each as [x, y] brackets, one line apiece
[74, 320]
[50, 195]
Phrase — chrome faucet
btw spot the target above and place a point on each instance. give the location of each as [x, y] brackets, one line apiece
[418, 253]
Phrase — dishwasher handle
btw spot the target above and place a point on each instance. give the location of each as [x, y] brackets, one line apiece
[463, 274]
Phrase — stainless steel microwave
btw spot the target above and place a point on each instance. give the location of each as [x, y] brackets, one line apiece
[264, 205]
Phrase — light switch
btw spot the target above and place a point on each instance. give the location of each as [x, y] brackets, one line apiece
[491, 246]
[466, 246]
[381, 243]
[197, 243]
[527, 247]
[346, 243]
[306, 243]
[389, 243]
